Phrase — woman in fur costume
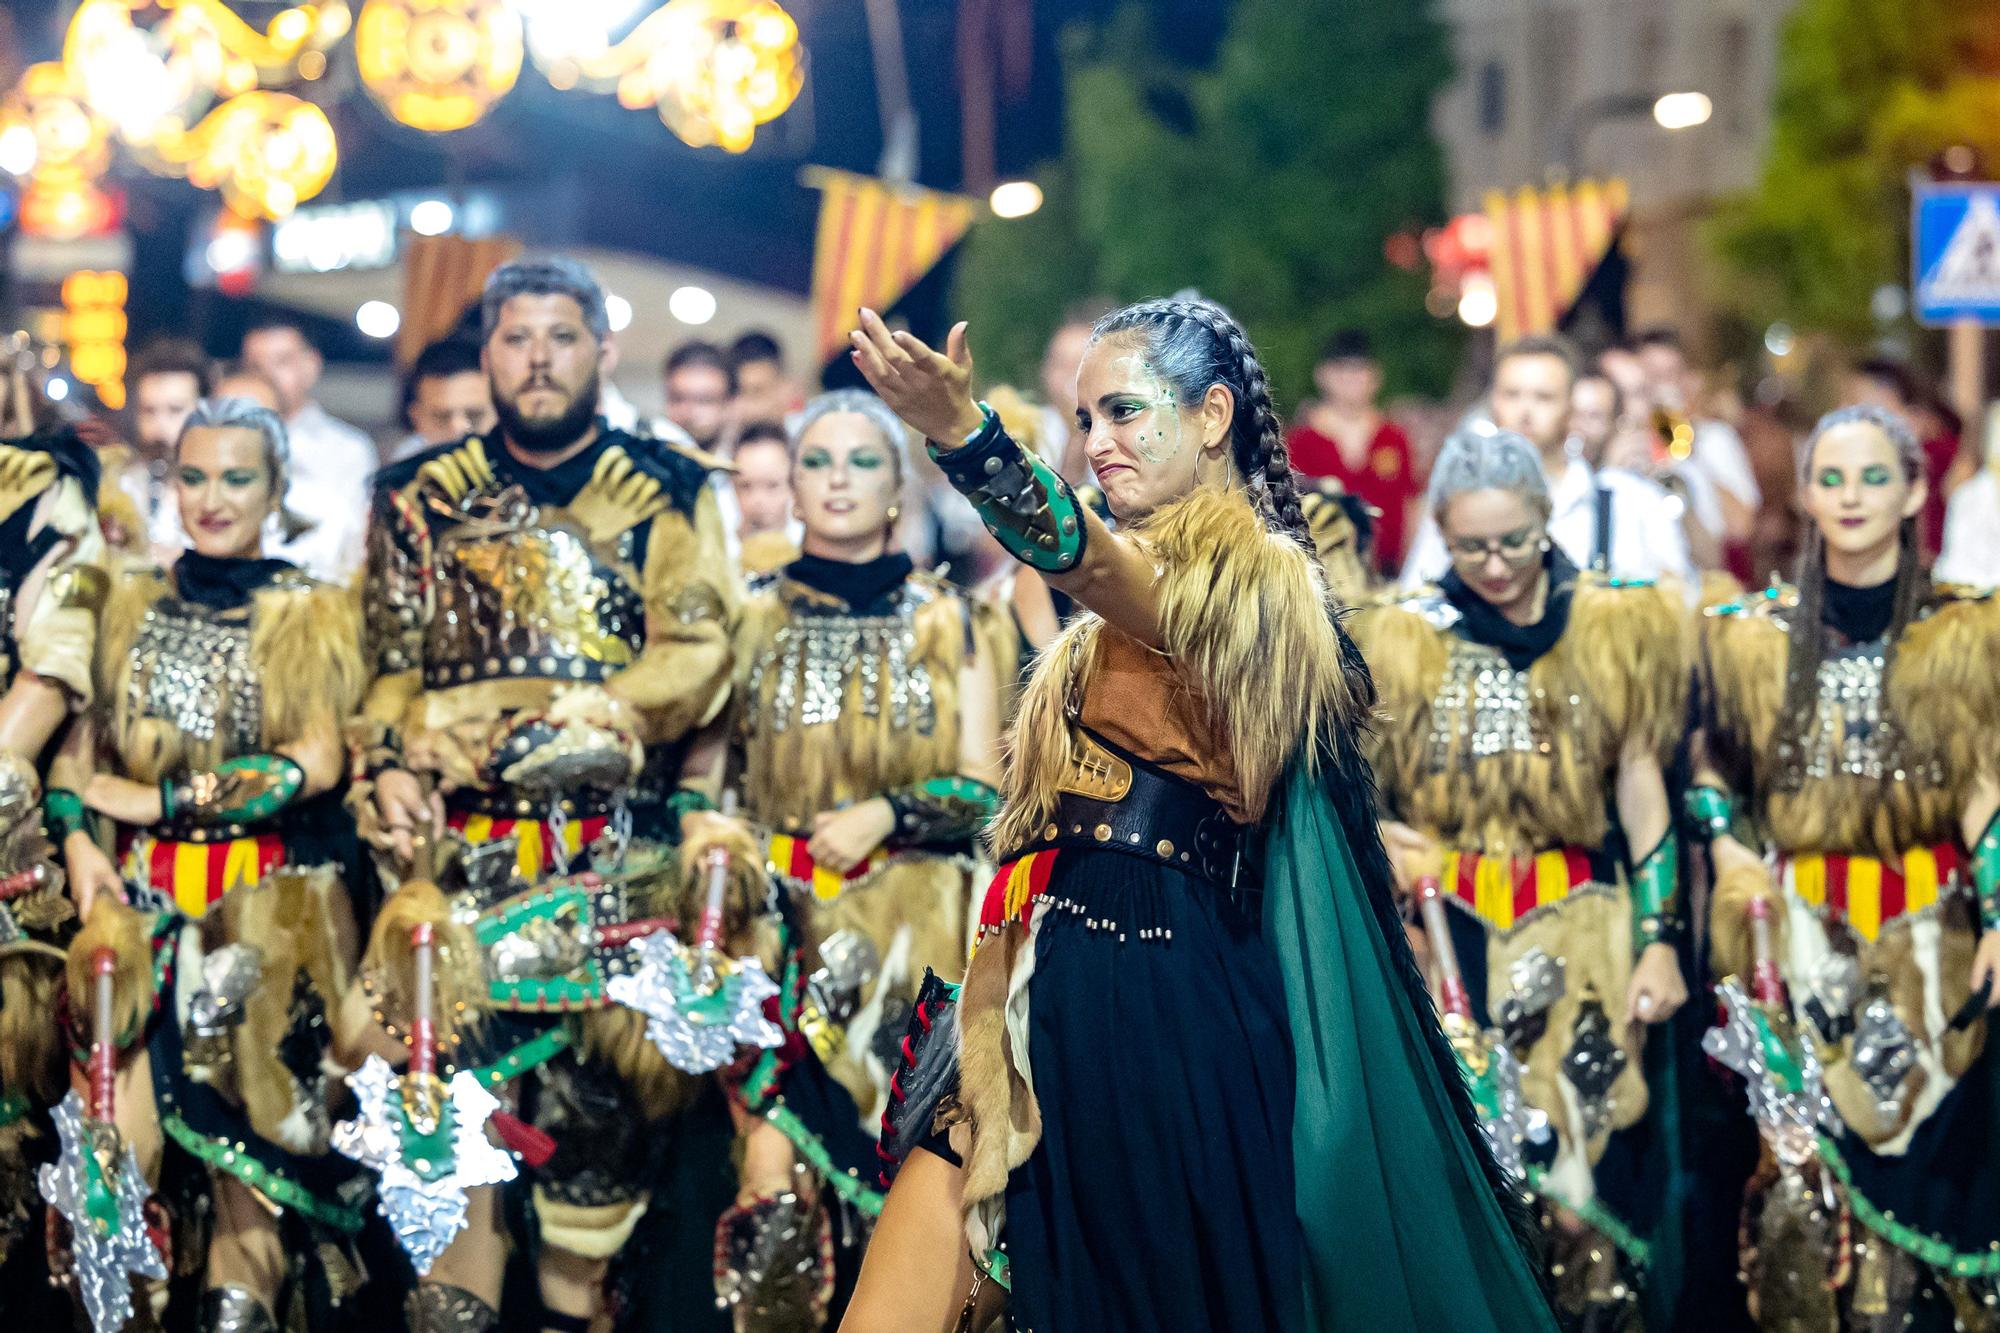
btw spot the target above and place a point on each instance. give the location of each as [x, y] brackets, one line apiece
[866, 740]
[1514, 697]
[210, 766]
[1170, 1118]
[1849, 794]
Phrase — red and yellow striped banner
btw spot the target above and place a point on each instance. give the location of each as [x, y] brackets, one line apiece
[532, 851]
[1502, 890]
[790, 859]
[876, 240]
[1545, 245]
[195, 874]
[1868, 893]
[1011, 894]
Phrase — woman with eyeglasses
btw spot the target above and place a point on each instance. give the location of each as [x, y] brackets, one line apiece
[1846, 783]
[1527, 715]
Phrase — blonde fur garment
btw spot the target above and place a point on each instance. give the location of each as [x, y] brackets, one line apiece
[1247, 621]
[305, 645]
[294, 922]
[681, 679]
[792, 775]
[55, 625]
[115, 926]
[1623, 659]
[456, 967]
[31, 1056]
[616, 1037]
[1942, 694]
[1730, 944]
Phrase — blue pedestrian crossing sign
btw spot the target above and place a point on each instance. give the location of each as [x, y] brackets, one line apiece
[1955, 252]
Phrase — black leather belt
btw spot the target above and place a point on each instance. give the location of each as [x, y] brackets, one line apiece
[1160, 818]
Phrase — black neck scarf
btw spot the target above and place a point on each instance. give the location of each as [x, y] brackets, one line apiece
[556, 485]
[224, 583]
[866, 586]
[1859, 615]
[1521, 645]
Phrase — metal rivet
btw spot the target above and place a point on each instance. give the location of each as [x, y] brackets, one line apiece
[993, 466]
[1102, 832]
[1164, 848]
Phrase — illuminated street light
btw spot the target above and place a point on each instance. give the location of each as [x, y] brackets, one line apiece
[1682, 111]
[1015, 199]
[430, 217]
[692, 305]
[378, 319]
[1478, 300]
[617, 312]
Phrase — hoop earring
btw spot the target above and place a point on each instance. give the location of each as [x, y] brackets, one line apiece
[1545, 546]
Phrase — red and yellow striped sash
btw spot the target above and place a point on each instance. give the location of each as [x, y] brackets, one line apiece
[532, 851]
[1502, 890]
[1011, 894]
[790, 859]
[1868, 893]
[195, 874]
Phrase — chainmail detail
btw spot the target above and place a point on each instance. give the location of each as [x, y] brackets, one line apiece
[439, 1307]
[193, 670]
[234, 1310]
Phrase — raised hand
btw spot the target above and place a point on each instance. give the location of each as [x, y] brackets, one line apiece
[929, 390]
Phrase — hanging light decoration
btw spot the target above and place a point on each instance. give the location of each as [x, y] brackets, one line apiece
[50, 139]
[714, 70]
[438, 64]
[721, 69]
[266, 152]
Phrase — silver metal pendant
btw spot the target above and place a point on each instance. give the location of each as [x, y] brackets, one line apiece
[109, 1251]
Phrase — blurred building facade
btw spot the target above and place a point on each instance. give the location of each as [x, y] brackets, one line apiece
[1565, 86]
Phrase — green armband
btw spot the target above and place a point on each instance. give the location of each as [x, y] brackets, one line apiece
[1986, 873]
[243, 790]
[1710, 809]
[941, 810]
[63, 814]
[685, 801]
[1655, 885]
[1030, 510]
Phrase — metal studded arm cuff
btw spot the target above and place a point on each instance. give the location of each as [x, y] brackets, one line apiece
[63, 814]
[1986, 873]
[1032, 511]
[243, 790]
[948, 809]
[1711, 810]
[1655, 883]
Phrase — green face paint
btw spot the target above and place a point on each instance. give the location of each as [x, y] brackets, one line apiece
[1146, 404]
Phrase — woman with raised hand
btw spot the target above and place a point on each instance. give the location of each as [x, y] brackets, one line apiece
[1191, 1037]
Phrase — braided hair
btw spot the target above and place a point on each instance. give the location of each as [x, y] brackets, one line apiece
[1193, 344]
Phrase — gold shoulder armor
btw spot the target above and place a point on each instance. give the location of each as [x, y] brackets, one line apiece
[24, 475]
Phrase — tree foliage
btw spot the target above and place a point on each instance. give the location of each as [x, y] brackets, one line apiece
[1268, 182]
[1868, 91]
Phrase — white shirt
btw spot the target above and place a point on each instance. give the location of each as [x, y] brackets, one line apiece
[1971, 551]
[1718, 453]
[332, 464]
[1646, 537]
[158, 503]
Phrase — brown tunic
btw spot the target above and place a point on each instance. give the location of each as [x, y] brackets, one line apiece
[1136, 699]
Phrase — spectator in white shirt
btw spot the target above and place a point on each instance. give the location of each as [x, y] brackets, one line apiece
[1971, 551]
[1717, 450]
[445, 397]
[701, 392]
[332, 461]
[1611, 520]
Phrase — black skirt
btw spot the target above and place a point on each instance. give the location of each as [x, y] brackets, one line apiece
[1160, 1195]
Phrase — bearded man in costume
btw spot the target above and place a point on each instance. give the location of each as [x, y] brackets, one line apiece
[547, 608]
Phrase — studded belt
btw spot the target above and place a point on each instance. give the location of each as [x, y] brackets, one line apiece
[1158, 818]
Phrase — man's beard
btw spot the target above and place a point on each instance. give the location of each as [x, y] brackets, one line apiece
[553, 434]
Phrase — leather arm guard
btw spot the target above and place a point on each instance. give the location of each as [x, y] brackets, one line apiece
[1031, 511]
[949, 809]
[1655, 892]
[1712, 811]
[63, 814]
[243, 790]
[1986, 873]
[923, 1095]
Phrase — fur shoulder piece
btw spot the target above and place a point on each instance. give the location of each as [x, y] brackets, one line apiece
[1943, 687]
[1406, 643]
[1246, 616]
[132, 592]
[306, 641]
[1628, 643]
[1743, 643]
[681, 471]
